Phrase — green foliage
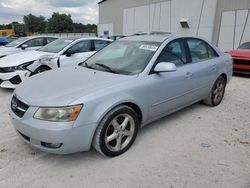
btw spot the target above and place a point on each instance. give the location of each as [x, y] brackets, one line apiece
[58, 23]
[81, 28]
[8, 26]
[34, 23]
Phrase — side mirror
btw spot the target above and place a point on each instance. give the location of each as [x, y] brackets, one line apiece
[24, 46]
[69, 53]
[165, 67]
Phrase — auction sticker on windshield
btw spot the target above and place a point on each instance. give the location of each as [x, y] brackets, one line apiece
[148, 47]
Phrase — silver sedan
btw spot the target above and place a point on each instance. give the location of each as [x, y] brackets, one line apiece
[105, 100]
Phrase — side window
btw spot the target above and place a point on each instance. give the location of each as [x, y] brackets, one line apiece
[200, 50]
[173, 53]
[50, 39]
[99, 44]
[80, 47]
[35, 42]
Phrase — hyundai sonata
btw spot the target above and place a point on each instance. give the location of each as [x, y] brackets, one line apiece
[128, 84]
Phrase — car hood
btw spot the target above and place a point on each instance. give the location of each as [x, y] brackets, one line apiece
[20, 58]
[6, 50]
[63, 86]
[240, 53]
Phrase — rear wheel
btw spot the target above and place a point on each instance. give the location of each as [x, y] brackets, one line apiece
[116, 132]
[217, 93]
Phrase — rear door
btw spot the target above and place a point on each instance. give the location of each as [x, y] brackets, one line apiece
[81, 51]
[36, 43]
[203, 66]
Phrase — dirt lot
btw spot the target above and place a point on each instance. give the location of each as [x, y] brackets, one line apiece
[199, 147]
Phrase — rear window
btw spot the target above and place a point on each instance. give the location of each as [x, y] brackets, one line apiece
[200, 50]
[100, 44]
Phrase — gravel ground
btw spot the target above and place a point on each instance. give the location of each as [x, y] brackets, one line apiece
[199, 147]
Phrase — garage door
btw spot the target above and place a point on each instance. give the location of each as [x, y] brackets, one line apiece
[234, 29]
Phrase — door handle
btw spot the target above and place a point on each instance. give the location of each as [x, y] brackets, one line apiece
[188, 75]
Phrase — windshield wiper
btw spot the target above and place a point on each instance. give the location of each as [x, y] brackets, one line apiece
[106, 67]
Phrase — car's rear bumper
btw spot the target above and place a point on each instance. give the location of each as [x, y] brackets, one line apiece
[39, 134]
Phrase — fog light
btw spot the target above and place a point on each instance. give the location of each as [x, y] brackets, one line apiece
[51, 145]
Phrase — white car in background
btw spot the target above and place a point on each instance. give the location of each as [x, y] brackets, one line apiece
[25, 44]
[61, 53]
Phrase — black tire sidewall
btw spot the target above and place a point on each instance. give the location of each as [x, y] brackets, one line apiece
[212, 95]
[105, 123]
[41, 68]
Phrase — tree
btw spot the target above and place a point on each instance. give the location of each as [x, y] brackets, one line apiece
[60, 23]
[34, 23]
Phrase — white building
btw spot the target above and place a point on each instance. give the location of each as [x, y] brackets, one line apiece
[225, 22]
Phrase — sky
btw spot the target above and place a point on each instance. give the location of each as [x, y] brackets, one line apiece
[82, 11]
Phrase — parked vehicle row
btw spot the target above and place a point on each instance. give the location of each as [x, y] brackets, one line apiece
[106, 99]
[63, 52]
[25, 43]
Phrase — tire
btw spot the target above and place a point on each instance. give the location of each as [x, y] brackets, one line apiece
[121, 135]
[217, 93]
[40, 70]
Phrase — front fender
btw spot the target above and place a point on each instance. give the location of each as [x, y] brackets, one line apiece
[34, 66]
[95, 110]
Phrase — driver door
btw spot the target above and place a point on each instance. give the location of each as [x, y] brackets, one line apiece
[171, 90]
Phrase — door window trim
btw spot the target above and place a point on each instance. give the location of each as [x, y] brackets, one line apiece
[206, 43]
[186, 50]
[90, 42]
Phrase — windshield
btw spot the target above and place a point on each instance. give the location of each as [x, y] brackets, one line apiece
[245, 46]
[56, 46]
[124, 57]
[16, 42]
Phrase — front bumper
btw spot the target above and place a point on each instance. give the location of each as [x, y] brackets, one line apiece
[13, 79]
[242, 69]
[241, 65]
[36, 133]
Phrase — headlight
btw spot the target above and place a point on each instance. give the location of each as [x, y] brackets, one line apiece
[17, 68]
[11, 69]
[58, 114]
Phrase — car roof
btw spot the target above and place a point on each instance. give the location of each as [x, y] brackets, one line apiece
[149, 38]
[85, 38]
[39, 36]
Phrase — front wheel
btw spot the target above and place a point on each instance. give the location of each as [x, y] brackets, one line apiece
[116, 132]
[217, 93]
[41, 69]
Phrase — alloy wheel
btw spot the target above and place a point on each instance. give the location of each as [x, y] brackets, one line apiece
[119, 132]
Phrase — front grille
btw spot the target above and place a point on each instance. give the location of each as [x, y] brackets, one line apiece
[241, 62]
[16, 80]
[18, 107]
